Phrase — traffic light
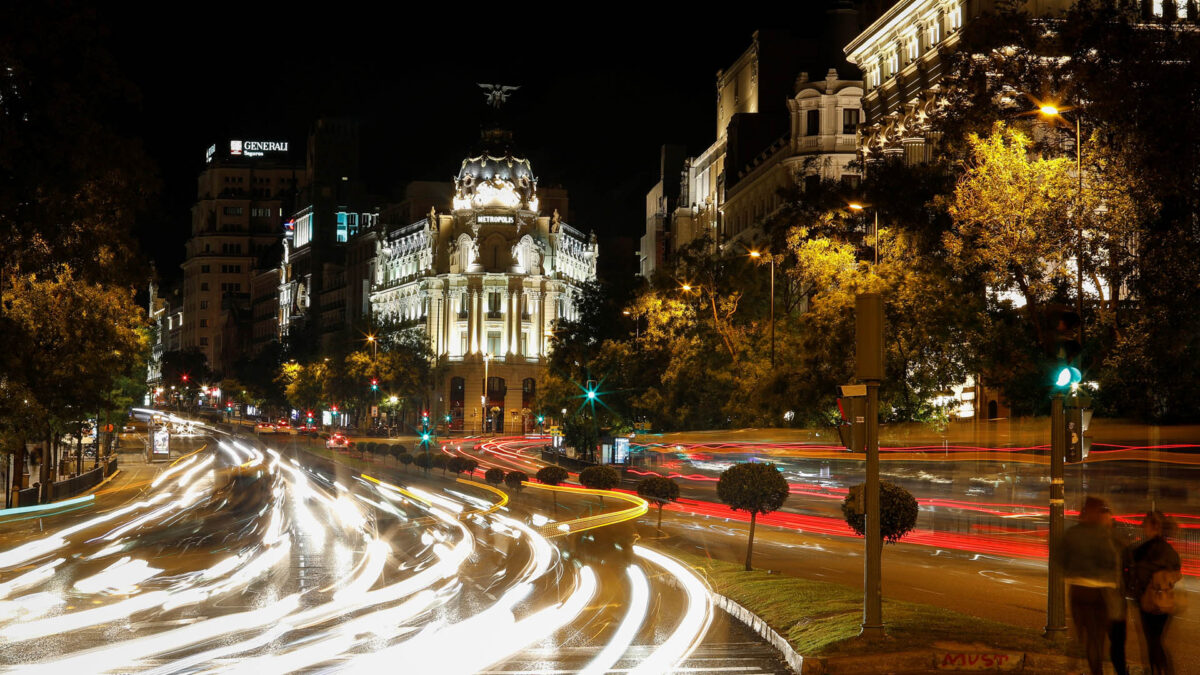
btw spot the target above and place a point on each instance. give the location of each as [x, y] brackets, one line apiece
[333, 409]
[1078, 443]
[852, 404]
[184, 377]
[541, 418]
[374, 384]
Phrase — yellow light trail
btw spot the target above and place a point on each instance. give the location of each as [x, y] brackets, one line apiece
[563, 527]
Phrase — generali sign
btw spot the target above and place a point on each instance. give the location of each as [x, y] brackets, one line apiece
[256, 148]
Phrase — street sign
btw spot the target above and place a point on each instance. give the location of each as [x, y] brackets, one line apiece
[848, 390]
[374, 411]
[555, 431]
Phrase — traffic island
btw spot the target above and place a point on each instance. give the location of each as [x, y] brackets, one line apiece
[820, 623]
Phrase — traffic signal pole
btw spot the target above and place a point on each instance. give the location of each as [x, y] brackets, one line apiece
[869, 368]
[1056, 615]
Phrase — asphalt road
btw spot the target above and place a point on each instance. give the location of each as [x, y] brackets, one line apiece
[249, 555]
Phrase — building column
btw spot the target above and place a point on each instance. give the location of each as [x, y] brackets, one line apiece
[505, 320]
[535, 323]
[472, 343]
[549, 307]
[515, 344]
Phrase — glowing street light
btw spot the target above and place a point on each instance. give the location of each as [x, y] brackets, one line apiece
[1050, 110]
[855, 206]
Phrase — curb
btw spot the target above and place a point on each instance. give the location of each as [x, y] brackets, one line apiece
[756, 624]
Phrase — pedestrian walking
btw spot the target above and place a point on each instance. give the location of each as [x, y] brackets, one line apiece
[1119, 606]
[1156, 569]
[1091, 565]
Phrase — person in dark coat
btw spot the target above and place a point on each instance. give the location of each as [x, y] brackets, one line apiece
[1091, 565]
[1154, 554]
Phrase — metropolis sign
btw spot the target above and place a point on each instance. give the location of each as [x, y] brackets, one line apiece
[506, 220]
[256, 148]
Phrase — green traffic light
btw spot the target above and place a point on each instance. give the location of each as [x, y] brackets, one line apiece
[591, 394]
[1067, 376]
[425, 437]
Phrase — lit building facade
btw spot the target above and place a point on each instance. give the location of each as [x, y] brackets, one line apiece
[903, 58]
[485, 279]
[244, 191]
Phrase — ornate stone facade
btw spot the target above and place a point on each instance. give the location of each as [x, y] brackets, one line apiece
[486, 280]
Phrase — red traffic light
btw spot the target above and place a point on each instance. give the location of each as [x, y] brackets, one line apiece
[185, 378]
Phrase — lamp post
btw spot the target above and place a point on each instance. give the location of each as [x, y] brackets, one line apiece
[855, 206]
[637, 323]
[483, 398]
[1054, 111]
[757, 255]
[374, 371]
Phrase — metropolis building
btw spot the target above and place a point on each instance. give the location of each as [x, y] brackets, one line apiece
[485, 279]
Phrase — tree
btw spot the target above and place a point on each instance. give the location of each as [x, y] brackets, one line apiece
[552, 475]
[515, 480]
[441, 461]
[470, 466]
[660, 490]
[897, 511]
[754, 487]
[405, 459]
[600, 478]
[455, 464]
[424, 461]
[494, 475]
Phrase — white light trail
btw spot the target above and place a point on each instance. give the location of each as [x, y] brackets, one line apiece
[639, 601]
[691, 628]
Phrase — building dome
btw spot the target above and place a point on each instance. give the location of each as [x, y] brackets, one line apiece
[489, 181]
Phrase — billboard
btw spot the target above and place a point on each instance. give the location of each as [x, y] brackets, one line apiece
[162, 443]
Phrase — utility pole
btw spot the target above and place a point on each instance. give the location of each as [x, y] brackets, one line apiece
[869, 369]
[1056, 615]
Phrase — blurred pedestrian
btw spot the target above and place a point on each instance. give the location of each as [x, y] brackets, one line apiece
[1091, 565]
[1118, 606]
[1156, 569]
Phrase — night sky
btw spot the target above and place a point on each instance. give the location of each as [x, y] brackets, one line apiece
[598, 97]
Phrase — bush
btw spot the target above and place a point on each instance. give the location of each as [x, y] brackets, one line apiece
[897, 511]
[405, 459]
[442, 462]
[600, 478]
[551, 475]
[469, 466]
[424, 461]
[494, 475]
[514, 479]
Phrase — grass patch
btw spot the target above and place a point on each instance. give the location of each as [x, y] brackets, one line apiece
[823, 619]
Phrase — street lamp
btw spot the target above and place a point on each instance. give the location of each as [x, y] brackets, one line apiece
[637, 323]
[757, 256]
[855, 206]
[1055, 112]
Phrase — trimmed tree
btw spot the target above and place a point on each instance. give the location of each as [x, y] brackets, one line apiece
[514, 479]
[470, 465]
[552, 475]
[660, 490]
[600, 478]
[897, 511]
[755, 487]
[405, 459]
[455, 464]
[494, 475]
[441, 461]
[424, 461]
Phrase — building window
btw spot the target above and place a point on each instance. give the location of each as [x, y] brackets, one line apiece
[849, 120]
[873, 76]
[204, 285]
[462, 343]
[935, 31]
[342, 226]
[893, 64]
[812, 123]
[231, 288]
[204, 269]
[204, 323]
[233, 210]
[203, 304]
[493, 342]
[260, 213]
[493, 303]
[231, 269]
[231, 249]
[303, 233]
[912, 49]
[203, 342]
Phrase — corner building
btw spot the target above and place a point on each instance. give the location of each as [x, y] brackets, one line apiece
[486, 280]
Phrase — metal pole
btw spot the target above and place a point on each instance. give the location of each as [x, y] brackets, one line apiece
[772, 312]
[1056, 615]
[873, 570]
[1079, 233]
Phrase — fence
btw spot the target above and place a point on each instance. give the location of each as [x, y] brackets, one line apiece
[70, 487]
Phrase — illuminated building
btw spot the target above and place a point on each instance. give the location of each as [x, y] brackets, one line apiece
[902, 55]
[166, 317]
[332, 211]
[776, 130]
[485, 278]
[243, 191]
